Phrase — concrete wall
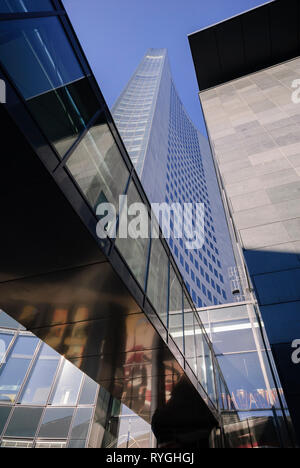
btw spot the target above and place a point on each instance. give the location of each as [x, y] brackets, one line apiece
[254, 127]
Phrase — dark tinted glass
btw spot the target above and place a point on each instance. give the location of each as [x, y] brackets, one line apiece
[5, 340]
[24, 422]
[88, 393]
[48, 76]
[56, 423]
[23, 6]
[4, 412]
[81, 423]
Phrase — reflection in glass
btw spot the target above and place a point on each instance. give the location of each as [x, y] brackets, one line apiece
[5, 340]
[24, 6]
[39, 385]
[24, 422]
[157, 288]
[13, 372]
[175, 310]
[210, 382]
[189, 335]
[135, 251]
[68, 385]
[98, 167]
[8, 322]
[88, 393]
[4, 413]
[49, 77]
[56, 423]
[81, 423]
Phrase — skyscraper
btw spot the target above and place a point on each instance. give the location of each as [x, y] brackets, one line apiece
[174, 163]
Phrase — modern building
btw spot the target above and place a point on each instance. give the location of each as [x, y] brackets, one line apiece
[174, 163]
[248, 71]
[135, 364]
[117, 309]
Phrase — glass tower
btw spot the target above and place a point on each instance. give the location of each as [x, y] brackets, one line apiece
[174, 163]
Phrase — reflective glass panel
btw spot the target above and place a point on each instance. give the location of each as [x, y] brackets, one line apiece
[56, 423]
[24, 422]
[39, 384]
[88, 393]
[24, 6]
[48, 76]
[8, 322]
[245, 379]
[81, 423]
[135, 250]
[79, 444]
[98, 167]
[4, 413]
[189, 334]
[175, 310]
[200, 354]
[13, 372]
[5, 340]
[157, 289]
[68, 385]
[210, 378]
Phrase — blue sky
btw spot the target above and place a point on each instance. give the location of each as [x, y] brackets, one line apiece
[115, 35]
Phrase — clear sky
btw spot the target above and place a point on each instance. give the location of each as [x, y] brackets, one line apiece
[115, 35]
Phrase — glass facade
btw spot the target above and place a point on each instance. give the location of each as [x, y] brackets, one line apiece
[49, 76]
[175, 165]
[45, 401]
[250, 373]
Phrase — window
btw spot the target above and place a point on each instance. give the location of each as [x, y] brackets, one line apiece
[56, 423]
[39, 384]
[4, 413]
[135, 251]
[189, 335]
[48, 76]
[23, 6]
[5, 340]
[24, 422]
[13, 372]
[68, 385]
[175, 310]
[157, 289]
[81, 423]
[98, 167]
[88, 393]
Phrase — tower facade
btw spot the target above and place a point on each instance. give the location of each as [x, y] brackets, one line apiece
[174, 163]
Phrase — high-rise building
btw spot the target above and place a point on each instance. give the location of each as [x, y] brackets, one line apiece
[248, 71]
[174, 163]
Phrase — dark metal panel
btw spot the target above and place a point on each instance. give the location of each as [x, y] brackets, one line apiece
[206, 57]
[247, 43]
[284, 28]
[231, 48]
